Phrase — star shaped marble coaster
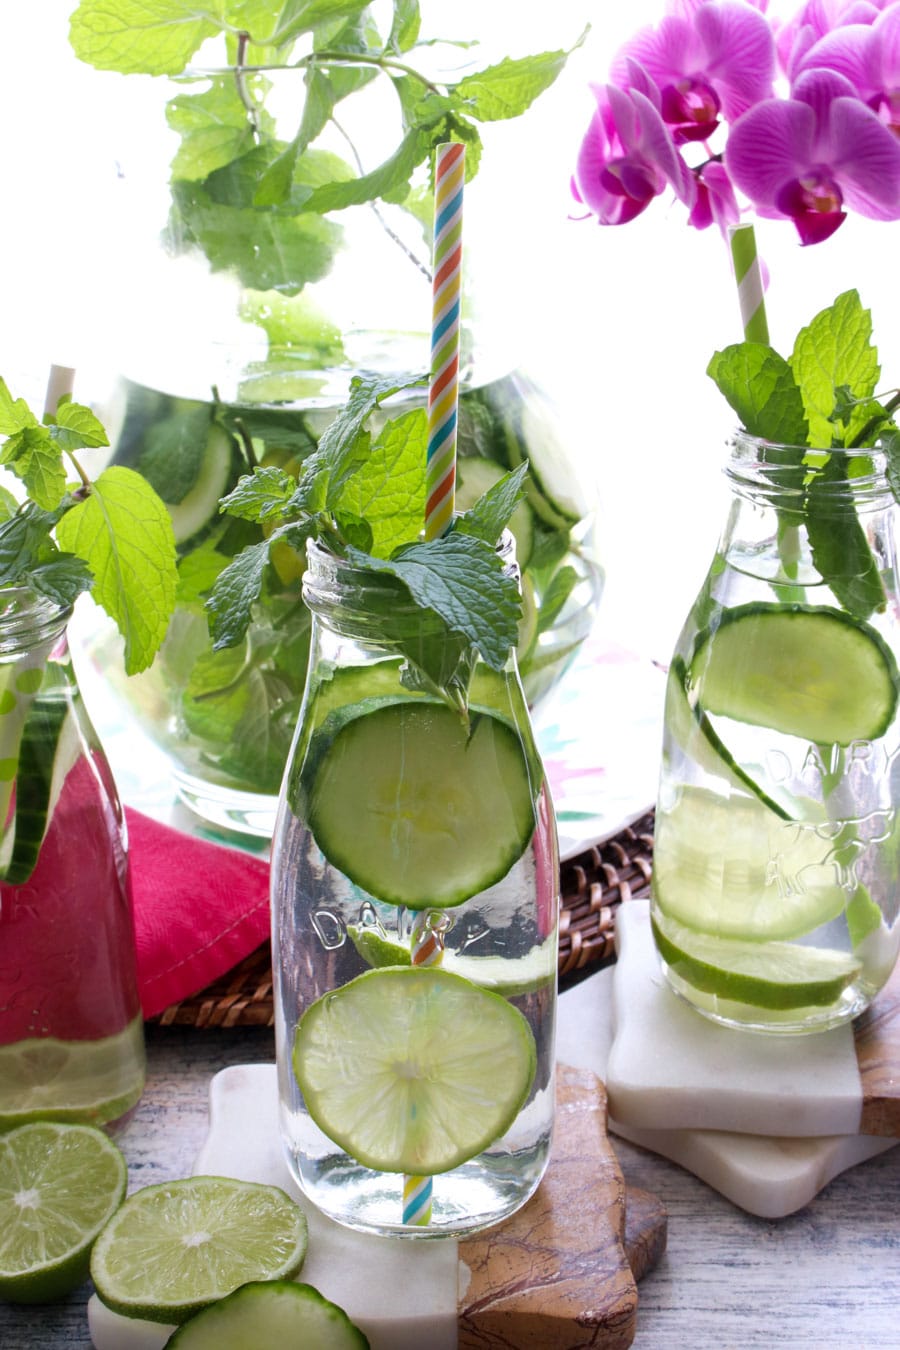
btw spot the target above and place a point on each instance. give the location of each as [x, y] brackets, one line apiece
[766, 1120]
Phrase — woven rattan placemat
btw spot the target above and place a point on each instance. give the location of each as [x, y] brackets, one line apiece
[592, 886]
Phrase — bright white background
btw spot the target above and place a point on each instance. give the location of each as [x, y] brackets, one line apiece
[620, 323]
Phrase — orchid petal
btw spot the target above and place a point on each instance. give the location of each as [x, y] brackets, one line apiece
[770, 145]
[740, 54]
[865, 157]
[659, 148]
[848, 51]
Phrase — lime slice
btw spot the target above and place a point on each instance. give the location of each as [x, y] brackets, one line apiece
[413, 1069]
[807, 671]
[731, 867]
[174, 1248]
[506, 975]
[419, 809]
[59, 1185]
[94, 1082]
[779, 975]
[268, 1314]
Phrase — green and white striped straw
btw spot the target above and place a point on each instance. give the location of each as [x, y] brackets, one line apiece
[748, 275]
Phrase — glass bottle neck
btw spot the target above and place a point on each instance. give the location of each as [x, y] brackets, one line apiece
[786, 477]
[29, 621]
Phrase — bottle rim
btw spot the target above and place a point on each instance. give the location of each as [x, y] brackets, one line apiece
[779, 470]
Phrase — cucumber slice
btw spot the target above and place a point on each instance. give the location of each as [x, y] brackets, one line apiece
[807, 671]
[266, 1313]
[474, 476]
[694, 734]
[731, 867]
[418, 811]
[41, 736]
[554, 490]
[198, 510]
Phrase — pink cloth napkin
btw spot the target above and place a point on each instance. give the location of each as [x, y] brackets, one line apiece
[199, 909]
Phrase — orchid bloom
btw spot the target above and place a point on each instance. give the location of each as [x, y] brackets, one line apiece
[715, 202]
[868, 55]
[627, 157]
[707, 59]
[815, 20]
[809, 156]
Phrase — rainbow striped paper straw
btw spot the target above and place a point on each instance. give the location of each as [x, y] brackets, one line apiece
[443, 393]
[748, 275]
[426, 949]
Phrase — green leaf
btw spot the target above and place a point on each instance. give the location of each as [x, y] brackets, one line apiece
[123, 532]
[509, 88]
[835, 349]
[840, 549]
[275, 185]
[267, 251]
[173, 451]
[15, 414]
[231, 599]
[491, 514]
[25, 544]
[35, 458]
[197, 573]
[151, 37]
[405, 25]
[213, 125]
[61, 579]
[760, 386]
[555, 596]
[891, 445]
[259, 495]
[302, 16]
[74, 427]
[342, 446]
[388, 490]
[463, 580]
[394, 173]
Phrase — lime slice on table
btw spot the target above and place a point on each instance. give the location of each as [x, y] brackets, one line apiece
[730, 866]
[176, 1247]
[775, 975]
[413, 1069]
[417, 808]
[59, 1185]
[93, 1082]
[273, 1313]
[807, 671]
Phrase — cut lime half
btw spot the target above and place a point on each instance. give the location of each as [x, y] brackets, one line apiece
[269, 1314]
[174, 1248]
[413, 1069]
[59, 1185]
[775, 975]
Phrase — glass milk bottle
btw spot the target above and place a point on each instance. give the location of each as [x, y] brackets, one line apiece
[777, 851]
[71, 1028]
[415, 894]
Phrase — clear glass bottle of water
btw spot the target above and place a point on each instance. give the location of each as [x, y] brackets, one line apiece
[415, 893]
[71, 1028]
[775, 896]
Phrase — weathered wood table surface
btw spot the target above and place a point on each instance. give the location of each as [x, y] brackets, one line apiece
[827, 1278]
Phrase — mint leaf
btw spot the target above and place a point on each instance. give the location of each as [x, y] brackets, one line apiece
[35, 458]
[197, 573]
[74, 427]
[25, 543]
[388, 490]
[15, 413]
[491, 514]
[259, 495]
[463, 580]
[213, 125]
[236, 588]
[61, 579]
[834, 350]
[267, 251]
[890, 442]
[509, 88]
[123, 532]
[562, 583]
[302, 16]
[173, 452]
[840, 549]
[340, 446]
[275, 184]
[405, 25]
[390, 176]
[760, 387]
[150, 37]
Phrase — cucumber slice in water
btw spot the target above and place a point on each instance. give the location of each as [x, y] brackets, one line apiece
[198, 509]
[266, 1313]
[417, 809]
[731, 867]
[41, 736]
[807, 671]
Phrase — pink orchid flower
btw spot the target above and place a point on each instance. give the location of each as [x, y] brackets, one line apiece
[715, 203]
[707, 59]
[812, 22]
[809, 156]
[868, 55]
[627, 157]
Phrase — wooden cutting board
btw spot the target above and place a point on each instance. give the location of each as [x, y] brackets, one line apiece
[563, 1272]
[877, 1035]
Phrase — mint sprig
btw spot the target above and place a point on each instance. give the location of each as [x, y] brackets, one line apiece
[355, 488]
[112, 536]
[820, 398]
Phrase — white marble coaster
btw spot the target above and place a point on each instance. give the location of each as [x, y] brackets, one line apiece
[670, 1068]
[766, 1175]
